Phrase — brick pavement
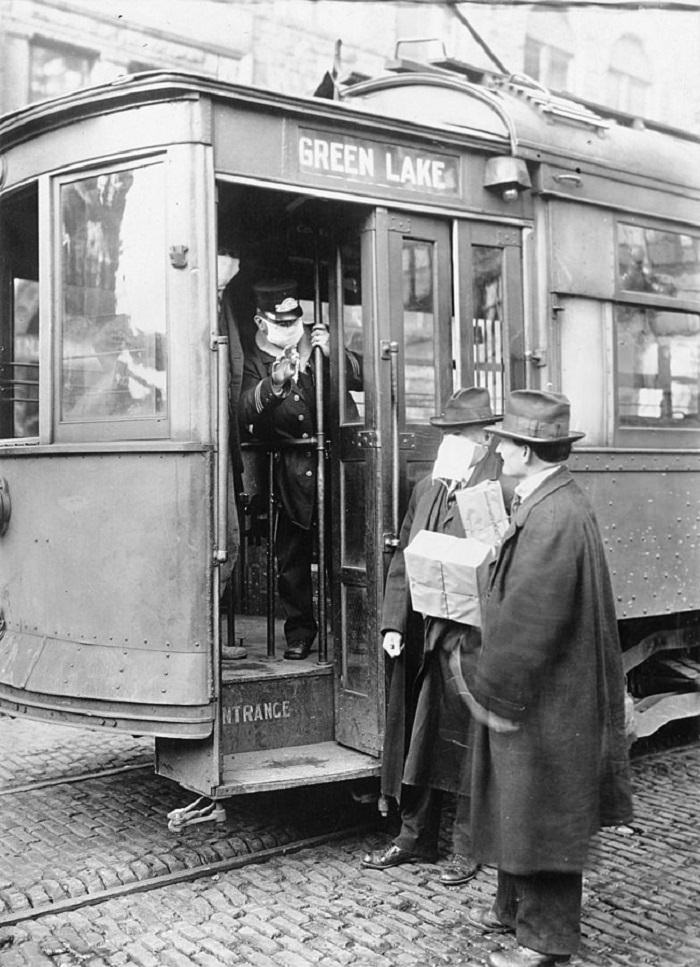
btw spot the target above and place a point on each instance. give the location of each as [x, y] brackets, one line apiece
[318, 907]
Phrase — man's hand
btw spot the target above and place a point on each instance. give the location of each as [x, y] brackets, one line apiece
[285, 368]
[322, 338]
[393, 643]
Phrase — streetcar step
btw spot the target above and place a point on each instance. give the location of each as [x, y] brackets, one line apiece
[319, 762]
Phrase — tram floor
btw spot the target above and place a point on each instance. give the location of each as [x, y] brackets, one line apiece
[250, 632]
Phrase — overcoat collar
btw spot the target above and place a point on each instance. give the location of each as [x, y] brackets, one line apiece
[561, 478]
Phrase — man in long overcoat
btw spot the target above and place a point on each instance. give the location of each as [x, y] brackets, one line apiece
[439, 730]
[550, 755]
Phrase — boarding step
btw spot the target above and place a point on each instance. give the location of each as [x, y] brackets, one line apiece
[320, 762]
[272, 704]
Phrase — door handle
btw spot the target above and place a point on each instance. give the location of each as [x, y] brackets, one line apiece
[390, 351]
[5, 506]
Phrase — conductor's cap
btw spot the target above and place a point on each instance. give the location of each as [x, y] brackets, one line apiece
[277, 301]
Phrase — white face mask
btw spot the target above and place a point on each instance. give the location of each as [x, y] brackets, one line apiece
[284, 336]
[456, 456]
[226, 268]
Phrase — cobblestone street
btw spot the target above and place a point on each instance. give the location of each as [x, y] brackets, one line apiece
[70, 843]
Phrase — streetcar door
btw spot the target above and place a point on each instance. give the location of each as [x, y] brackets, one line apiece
[430, 306]
[393, 291]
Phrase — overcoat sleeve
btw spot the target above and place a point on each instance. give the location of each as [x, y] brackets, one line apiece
[530, 605]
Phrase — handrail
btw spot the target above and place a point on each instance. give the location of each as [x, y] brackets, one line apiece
[390, 351]
[220, 345]
[320, 467]
[271, 449]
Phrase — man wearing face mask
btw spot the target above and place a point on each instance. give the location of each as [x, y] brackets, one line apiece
[278, 405]
[439, 738]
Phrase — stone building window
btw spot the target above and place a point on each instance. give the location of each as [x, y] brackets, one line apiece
[56, 69]
[548, 50]
[629, 77]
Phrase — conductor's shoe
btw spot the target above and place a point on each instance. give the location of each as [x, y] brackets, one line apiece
[233, 652]
[393, 856]
[459, 870]
[525, 957]
[298, 650]
[486, 920]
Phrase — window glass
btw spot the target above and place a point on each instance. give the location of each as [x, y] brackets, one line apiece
[113, 333]
[418, 330]
[353, 500]
[355, 650]
[661, 262]
[353, 399]
[19, 316]
[658, 367]
[487, 293]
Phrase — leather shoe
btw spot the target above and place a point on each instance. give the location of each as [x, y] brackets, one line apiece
[459, 870]
[524, 957]
[299, 649]
[392, 856]
[486, 920]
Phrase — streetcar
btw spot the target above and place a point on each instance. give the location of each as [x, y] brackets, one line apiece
[449, 227]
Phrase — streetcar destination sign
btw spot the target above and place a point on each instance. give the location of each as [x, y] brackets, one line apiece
[340, 156]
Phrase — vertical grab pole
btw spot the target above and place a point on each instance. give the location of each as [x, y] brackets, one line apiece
[220, 344]
[320, 466]
[390, 352]
[270, 554]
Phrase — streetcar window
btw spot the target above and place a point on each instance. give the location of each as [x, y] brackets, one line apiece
[658, 367]
[488, 321]
[419, 330]
[113, 330]
[658, 262]
[352, 400]
[19, 316]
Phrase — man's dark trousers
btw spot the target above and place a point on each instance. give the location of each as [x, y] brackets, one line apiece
[544, 909]
[420, 823]
[294, 552]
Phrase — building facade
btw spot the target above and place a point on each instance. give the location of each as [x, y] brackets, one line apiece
[642, 62]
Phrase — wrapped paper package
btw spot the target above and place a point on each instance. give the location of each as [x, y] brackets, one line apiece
[483, 512]
[447, 574]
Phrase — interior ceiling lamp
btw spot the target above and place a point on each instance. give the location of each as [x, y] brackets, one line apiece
[506, 175]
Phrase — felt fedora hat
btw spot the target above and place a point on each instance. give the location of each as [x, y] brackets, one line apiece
[467, 407]
[537, 417]
[277, 301]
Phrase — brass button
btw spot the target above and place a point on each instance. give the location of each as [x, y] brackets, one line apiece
[300, 417]
[309, 473]
[305, 435]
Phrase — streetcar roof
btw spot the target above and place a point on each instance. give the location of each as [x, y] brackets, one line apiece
[508, 115]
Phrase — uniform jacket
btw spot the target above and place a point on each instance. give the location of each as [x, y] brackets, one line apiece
[291, 416]
[434, 759]
[551, 661]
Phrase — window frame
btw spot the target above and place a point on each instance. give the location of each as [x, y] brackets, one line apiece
[8, 297]
[104, 430]
[668, 437]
